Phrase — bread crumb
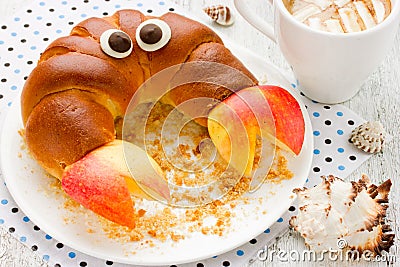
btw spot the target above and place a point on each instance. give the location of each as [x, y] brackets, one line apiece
[184, 166]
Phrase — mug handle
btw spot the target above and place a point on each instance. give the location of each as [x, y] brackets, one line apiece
[255, 20]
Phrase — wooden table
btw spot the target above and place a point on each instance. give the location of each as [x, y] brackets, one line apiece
[378, 99]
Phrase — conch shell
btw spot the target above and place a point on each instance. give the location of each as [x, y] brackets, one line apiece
[220, 14]
[342, 215]
[369, 137]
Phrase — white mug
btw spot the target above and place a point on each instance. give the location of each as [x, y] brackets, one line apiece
[329, 67]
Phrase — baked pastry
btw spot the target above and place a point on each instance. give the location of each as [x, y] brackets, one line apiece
[82, 84]
[75, 94]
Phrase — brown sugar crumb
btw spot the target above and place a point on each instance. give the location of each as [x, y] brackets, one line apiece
[196, 151]
[205, 230]
[176, 237]
[152, 232]
[53, 187]
[21, 132]
[257, 155]
[192, 215]
[212, 217]
[159, 225]
[188, 154]
[55, 184]
[150, 243]
[279, 170]
[183, 150]
[71, 204]
[166, 224]
[141, 212]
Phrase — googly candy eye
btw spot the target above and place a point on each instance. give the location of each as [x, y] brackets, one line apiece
[116, 43]
[153, 34]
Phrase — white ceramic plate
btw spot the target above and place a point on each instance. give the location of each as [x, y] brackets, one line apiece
[29, 185]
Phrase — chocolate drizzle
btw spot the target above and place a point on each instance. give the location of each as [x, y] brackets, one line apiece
[151, 34]
[119, 42]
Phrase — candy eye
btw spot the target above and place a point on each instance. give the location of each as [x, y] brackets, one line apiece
[116, 43]
[153, 34]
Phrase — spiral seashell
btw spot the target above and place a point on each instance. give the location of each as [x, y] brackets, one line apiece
[369, 137]
[348, 216]
[220, 14]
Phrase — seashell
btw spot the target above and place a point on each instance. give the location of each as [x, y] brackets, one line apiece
[369, 137]
[344, 215]
[220, 14]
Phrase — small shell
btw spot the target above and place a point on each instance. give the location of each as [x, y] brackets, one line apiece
[220, 14]
[369, 137]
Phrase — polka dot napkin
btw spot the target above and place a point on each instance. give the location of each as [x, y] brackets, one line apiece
[25, 35]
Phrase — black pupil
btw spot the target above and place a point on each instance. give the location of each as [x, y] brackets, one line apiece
[150, 34]
[119, 42]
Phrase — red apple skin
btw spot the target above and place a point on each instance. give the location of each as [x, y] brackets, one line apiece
[286, 123]
[233, 128]
[288, 117]
[102, 182]
[92, 183]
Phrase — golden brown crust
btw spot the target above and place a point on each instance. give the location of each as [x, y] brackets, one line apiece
[92, 27]
[225, 80]
[129, 68]
[65, 126]
[182, 42]
[75, 71]
[128, 21]
[75, 67]
[218, 53]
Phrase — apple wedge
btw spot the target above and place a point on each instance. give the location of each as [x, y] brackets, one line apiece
[270, 108]
[102, 182]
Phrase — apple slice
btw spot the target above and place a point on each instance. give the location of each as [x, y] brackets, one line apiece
[267, 107]
[101, 181]
[234, 133]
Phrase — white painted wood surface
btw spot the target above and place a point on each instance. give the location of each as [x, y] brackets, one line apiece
[378, 99]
